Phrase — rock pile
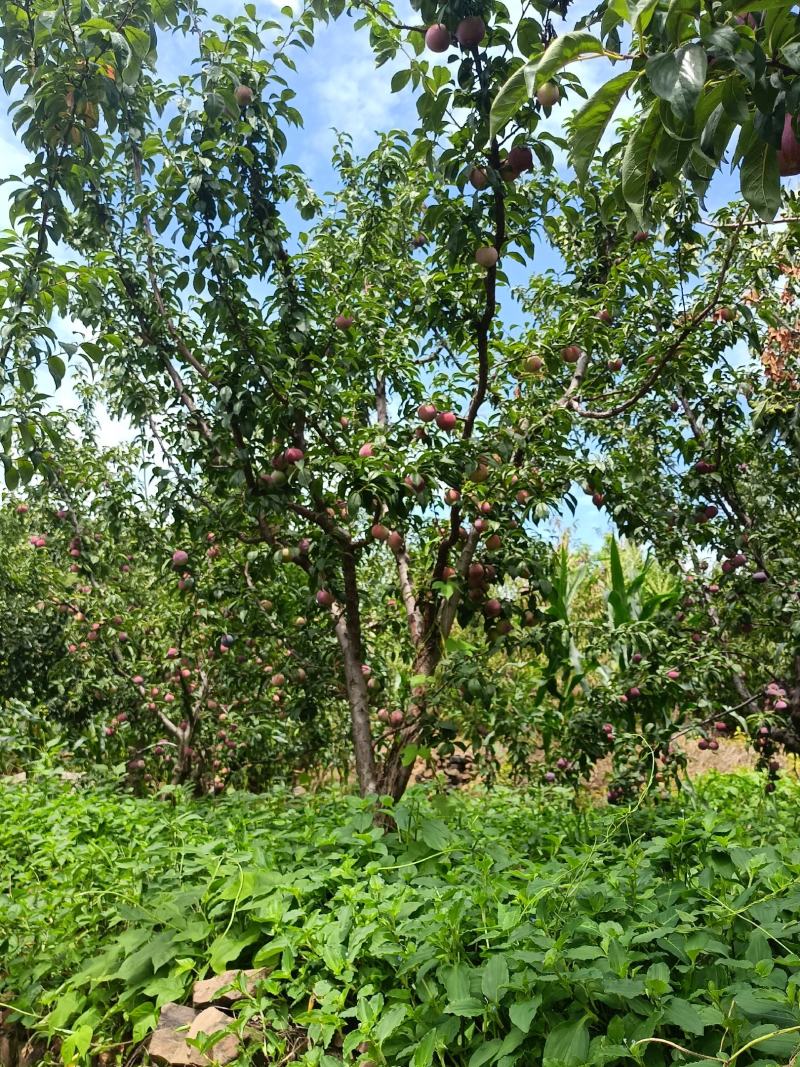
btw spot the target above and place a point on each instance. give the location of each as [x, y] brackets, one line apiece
[180, 1024]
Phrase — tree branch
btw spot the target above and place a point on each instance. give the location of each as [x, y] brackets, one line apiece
[696, 319]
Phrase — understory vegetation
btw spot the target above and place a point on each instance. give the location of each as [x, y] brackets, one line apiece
[495, 928]
[303, 671]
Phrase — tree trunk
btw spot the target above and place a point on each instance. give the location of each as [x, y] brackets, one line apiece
[395, 774]
[358, 699]
[347, 620]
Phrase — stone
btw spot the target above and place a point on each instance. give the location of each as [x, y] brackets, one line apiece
[211, 1021]
[174, 1016]
[178, 1024]
[208, 990]
[167, 1045]
[15, 779]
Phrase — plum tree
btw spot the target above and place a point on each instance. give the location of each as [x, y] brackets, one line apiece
[109, 638]
[224, 340]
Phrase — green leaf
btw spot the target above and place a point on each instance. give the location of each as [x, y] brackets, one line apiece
[512, 94]
[685, 1016]
[734, 99]
[562, 51]
[642, 13]
[139, 41]
[790, 53]
[619, 587]
[759, 177]
[11, 475]
[495, 977]
[591, 121]
[57, 368]
[656, 980]
[26, 378]
[674, 145]
[678, 77]
[77, 1042]
[466, 1007]
[227, 947]
[567, 1045]
[389, 1021]
[485, 1052]
[456, 981]
[435, 834]
[97, 25]
[400, 79]
[638, 162]
[522, 1013]
[67, 1005]
[677, 12]
[423, 1053]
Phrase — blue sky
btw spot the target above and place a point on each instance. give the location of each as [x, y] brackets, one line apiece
[339, 88]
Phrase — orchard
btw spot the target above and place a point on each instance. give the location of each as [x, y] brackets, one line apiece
[337, 557]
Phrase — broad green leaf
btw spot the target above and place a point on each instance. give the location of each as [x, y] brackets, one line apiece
[592, 120]
[677, 12]
[400, 79]
[467, 1007]
[26, 378]
[227, 947]
[674, 145]
[511, 1042]
[389, 1021]
[485, 1052]
[642, 13]
[678, 77]
[522, 1013]
[495, 977]
[759, 177]
[456, 981]
[512, 94]
[638, 163]
[790, 53]
[57, 368]
[11, 475]
[66, 1007]
[684, 1015]
[657, 979]
[423, 1053]
[562, 51]
[734, 99]
[567, 1045]
[435, 834]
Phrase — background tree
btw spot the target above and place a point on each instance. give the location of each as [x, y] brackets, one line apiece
[162, 657]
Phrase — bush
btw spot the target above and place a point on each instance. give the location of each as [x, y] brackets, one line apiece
[498, 928]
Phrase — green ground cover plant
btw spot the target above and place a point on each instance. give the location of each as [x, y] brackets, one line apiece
[493, 928]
